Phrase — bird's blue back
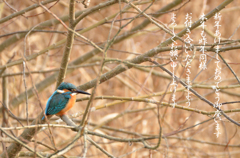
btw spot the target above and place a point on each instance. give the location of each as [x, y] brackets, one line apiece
[56, 103]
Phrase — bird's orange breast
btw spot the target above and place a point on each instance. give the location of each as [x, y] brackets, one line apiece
[69, 105]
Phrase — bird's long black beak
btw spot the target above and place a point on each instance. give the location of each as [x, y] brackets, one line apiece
[82, 92]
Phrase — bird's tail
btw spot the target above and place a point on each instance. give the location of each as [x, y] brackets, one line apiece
[43, 117]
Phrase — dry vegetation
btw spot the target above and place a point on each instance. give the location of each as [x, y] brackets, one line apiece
[122, 112]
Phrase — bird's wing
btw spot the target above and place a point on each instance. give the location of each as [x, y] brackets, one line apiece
[56, 103]
[47, 105]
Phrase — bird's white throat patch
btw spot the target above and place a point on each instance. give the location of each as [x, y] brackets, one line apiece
[73, 94]
[60, 91]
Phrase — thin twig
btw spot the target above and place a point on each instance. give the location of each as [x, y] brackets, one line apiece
[34, 6]
[98, 147]
[20, 142]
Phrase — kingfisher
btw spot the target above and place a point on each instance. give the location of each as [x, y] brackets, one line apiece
[62, 100]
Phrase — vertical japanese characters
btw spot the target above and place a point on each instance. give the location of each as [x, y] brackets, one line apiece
[188, 48]
[217, 76]
[203, 42]
[173, 58]
[188, 40]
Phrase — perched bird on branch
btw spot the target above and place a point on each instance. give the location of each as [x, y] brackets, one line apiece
[62, 100]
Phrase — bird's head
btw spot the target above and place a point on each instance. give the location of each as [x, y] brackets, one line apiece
[68, 87]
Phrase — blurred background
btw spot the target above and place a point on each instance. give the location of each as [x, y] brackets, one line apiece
[132, 103]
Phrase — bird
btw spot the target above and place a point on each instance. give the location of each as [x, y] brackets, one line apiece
[62, 100]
